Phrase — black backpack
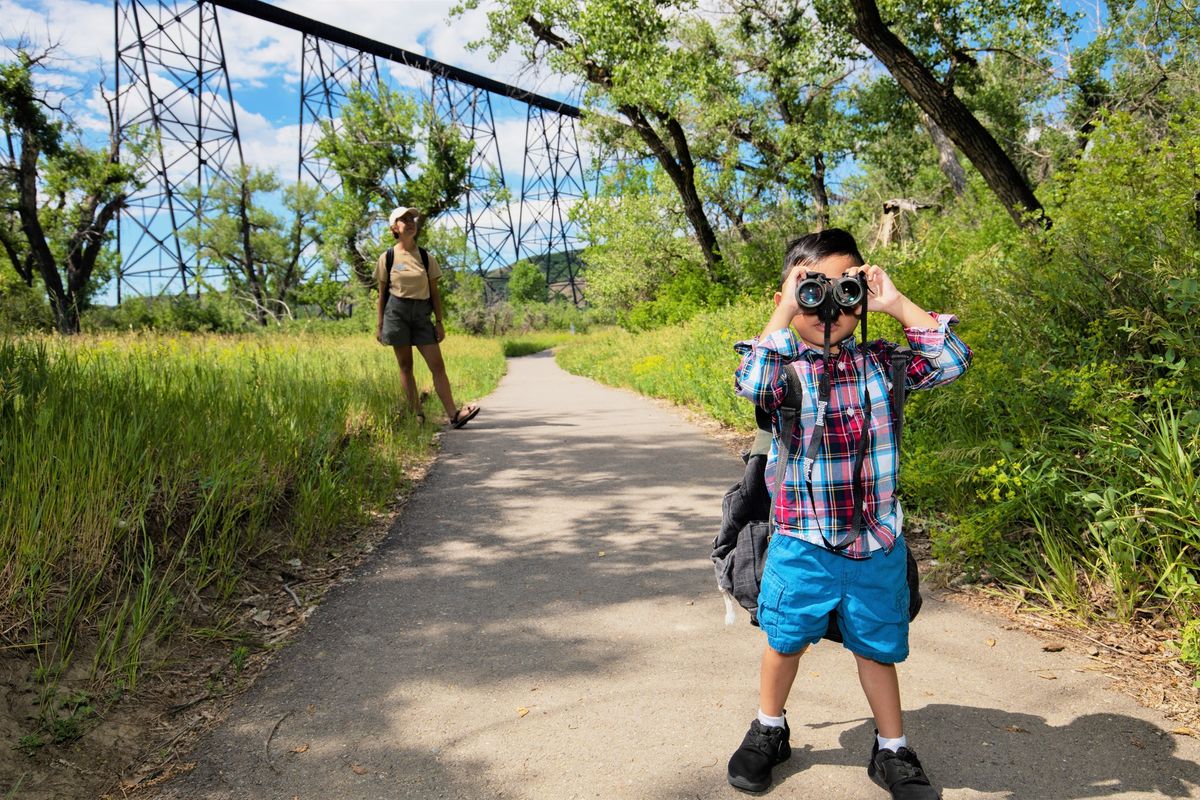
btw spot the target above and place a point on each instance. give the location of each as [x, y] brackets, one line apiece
[740, 547]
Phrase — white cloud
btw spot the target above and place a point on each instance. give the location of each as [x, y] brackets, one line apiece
[82, 31]
[259, 56]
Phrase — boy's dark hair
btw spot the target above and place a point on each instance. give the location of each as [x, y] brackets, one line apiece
[812, 247]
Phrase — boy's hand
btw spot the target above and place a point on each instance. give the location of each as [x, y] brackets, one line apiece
[788, 302]
[884, 296]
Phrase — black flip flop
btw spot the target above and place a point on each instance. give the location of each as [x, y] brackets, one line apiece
[460, 420]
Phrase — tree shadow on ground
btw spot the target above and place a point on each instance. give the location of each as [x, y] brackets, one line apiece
[524, 563]
[1003, 754]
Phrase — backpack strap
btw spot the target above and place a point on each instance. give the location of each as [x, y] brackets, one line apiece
[789, 413]
[425, 263]
[389, 259]
[900, 358]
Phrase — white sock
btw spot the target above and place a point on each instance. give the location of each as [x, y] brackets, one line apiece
[772, 722]
[887, 744]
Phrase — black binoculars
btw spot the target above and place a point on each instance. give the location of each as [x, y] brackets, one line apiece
[828, 298]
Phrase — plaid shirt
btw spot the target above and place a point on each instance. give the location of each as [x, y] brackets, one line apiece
[939, 357]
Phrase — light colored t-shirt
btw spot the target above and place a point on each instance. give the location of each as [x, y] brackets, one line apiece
[408, 278]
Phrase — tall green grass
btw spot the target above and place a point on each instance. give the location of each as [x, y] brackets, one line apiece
[1092, 509]
[690, 364]
[139, 474]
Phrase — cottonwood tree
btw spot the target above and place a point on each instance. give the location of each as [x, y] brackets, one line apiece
[374, 148]
[942, 40]
[57, 196]
[256, 251]
[628, 53]
[789, 100]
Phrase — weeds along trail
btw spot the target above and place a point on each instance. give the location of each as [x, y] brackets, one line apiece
[1073, 487]
[140, 474]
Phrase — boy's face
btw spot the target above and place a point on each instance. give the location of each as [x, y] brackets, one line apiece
[810, 328]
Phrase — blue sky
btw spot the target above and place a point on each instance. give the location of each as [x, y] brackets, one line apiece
[264, 65]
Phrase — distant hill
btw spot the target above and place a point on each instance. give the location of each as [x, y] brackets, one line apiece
[557, 262]
[559, 283]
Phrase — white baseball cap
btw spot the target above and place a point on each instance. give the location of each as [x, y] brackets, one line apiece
[397, 213]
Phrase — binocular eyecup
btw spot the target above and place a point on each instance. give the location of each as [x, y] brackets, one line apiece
[817, 292]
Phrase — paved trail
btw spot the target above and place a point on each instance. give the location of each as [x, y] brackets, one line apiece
[543, 622]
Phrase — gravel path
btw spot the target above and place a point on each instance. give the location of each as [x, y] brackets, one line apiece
[543, 622]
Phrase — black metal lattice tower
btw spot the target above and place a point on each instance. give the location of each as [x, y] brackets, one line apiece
[328, 73]
[485, 217]
[173, 80]
[552, 178]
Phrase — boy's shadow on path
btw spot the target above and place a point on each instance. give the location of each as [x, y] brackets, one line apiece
[1020, 756]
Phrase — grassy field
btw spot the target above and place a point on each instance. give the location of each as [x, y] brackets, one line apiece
[140, 474]
[691, 365]
[517, 345]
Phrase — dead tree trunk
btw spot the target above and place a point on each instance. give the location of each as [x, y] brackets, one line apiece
[947, 157]
[893, 225]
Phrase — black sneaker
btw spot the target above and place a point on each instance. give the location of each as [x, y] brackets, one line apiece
[901, 773]
[763, 748]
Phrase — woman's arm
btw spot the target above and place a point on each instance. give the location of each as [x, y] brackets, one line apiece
[379, 306]
[435, 296]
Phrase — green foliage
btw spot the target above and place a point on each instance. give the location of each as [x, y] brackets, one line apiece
[1189, 645]
[690, 364]
[185, 457]
[1065, 462]
[530, 343]
[57, 195]
[527, 284]
[211, 313]
[635, 242]
[679, 298]
[374, 150]
[22, 308]
[256, 251]
[237, 658]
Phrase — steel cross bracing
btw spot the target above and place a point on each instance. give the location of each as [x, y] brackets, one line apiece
[173, 80]
[328, 72]
[551, 180]
[484, 216]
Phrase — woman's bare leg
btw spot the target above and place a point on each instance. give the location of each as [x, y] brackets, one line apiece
[404, 358]
[432, 354]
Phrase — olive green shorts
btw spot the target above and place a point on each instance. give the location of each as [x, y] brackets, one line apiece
[407, 322]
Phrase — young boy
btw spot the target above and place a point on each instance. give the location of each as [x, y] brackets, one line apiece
[817, 562]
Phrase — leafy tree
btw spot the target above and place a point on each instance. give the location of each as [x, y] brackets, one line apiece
[941, 42]
[57, 197]
[634, 240]
[374, 150]
[258, 252]
[788, 103]
[627, 52]
[527, 284]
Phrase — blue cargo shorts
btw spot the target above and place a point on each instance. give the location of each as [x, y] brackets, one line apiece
[803, 583]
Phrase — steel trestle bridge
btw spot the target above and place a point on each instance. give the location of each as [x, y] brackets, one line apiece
[172, 79]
